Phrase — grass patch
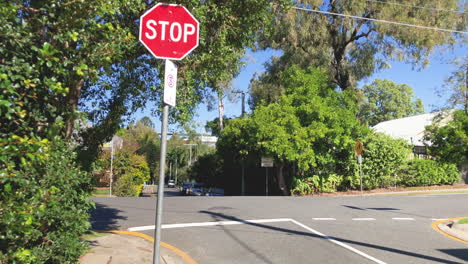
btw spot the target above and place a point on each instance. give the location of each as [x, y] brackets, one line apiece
[90, 235]
[463, 221]
[100, 192]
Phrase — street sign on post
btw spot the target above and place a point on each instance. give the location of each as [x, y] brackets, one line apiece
[169, 32]
[359, 149]
[266, 163]
[170, 83]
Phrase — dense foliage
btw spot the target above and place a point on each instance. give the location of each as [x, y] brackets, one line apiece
[353, 49]
[131, 171]
[382, 159]
[449, 142]
[385, 100]
[309, 130]
[44, 208]
[428, 172]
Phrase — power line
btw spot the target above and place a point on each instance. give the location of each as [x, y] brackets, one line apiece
[414, 6]
[380, 20]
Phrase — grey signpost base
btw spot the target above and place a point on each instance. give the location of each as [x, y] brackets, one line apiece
[360, 169]
[159, 204]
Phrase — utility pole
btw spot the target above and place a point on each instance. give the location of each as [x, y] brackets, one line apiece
[176, 171]
[243, 101]
[243, 161]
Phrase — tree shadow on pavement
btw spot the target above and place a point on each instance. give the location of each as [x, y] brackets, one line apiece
[386, 210]
[105, 218]
[218, 216]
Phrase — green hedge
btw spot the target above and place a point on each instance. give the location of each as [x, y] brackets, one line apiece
[44, 209]
[428, 172]
[381, 163]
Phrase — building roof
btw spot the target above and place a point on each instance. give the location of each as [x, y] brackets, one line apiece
[410, 128]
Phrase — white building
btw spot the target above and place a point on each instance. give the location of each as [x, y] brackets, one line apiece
[410, 128]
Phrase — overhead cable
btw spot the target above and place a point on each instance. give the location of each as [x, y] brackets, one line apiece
[414, 6]
[380, 20]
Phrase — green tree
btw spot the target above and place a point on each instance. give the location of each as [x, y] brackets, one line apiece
[85, 55]
[352, 49]
[213, 126]
[457, 84]
[311, 127]
[385, 100]
[449, 142]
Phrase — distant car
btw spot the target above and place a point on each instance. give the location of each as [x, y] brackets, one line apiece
[171, 184]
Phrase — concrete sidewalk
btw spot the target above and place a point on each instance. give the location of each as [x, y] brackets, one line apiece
[451, 228]
[128, 249]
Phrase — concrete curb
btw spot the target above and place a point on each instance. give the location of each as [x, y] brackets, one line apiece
[106, 249]
[450, 229]
[177, 251]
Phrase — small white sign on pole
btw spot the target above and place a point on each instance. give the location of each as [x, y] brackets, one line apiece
[267, 162]
[170, 83]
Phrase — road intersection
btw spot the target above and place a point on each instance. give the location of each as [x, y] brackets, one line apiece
[383, 229]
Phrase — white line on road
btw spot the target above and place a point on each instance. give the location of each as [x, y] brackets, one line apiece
[239, 222]
[439, 219]
[324, 219]
[217, 223]
[363, 219]
[403, 218]
[338, 242]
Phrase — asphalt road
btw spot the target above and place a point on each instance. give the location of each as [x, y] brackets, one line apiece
[369, 229]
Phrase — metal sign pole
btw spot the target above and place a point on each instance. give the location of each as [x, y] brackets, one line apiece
[266, 181]
[360, 169]
[159, 205]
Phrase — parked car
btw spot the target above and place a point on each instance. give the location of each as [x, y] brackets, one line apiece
[185, 187]
[215, 192]
[171, 184]
[197, 189]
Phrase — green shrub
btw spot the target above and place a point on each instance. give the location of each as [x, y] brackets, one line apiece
[382, 160]
[44, 208]
[125, 186]
[315, 184]
[131, 171]
[428, 172]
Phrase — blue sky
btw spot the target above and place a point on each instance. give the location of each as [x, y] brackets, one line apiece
[424, 82]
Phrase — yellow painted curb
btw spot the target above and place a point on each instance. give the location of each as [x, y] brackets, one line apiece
[435, 226]
[177, 251]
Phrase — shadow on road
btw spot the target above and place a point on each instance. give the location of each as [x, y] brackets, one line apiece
[459, 253]
[385, 209]
[218, 217]
[105, 218]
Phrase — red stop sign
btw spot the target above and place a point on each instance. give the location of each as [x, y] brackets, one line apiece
[169, 31]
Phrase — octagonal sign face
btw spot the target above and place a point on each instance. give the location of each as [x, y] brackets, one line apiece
[169, 31]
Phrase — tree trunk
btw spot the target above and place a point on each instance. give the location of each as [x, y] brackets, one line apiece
[220, 110]
[72, 101]
[281, 181]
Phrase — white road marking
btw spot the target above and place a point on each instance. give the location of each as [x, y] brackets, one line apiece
[403, 218]
[439, 219]
[338, 242]
[239, 222]
[363, 219]
[217, 223]
[324, 219]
